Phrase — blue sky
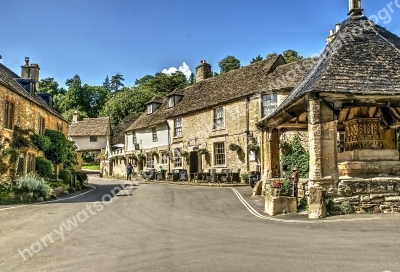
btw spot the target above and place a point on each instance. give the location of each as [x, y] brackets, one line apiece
[96, 38]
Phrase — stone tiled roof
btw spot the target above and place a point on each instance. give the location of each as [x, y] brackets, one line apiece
[159, 116]
[118, 131]
[267, 75]
[367, 65]
[155, 100]
[90, 127]
[7, 79]
[176, 92]
[231, 86]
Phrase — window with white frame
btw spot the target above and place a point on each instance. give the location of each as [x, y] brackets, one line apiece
[154, 133]
[178, 127]
[171, 102]
[219, 153]
[269, 104]
[149, 109]
[219, 118]
[177, 157]
[164, 158]
[149, 160]
[134, 140]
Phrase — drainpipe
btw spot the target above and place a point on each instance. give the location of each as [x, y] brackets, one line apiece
[247, 131]
[169, 147]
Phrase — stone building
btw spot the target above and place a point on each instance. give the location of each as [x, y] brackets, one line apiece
[89, 134]
[22, 105]
[213, 115]
[350, 105]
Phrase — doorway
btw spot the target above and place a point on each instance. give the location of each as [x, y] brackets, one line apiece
[193, 162]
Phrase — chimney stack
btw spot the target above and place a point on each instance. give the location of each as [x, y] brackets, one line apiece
[25, 68]
[75, 117]
[203, 71]
[355, 8]
[31, 72]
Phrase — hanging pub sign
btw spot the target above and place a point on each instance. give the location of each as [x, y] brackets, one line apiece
[252, 155]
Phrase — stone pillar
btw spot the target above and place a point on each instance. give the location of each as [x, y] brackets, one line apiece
[271, 157]
[323, 155]
[79, 159]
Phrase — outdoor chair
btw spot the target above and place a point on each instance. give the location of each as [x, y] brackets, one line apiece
[236, 176]
[227, 176]
[173, 175]
[212, 175]
[198, 175]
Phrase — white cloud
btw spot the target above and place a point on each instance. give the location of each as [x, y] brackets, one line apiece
[184, 69]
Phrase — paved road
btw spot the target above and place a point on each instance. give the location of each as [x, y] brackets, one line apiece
[160, 227]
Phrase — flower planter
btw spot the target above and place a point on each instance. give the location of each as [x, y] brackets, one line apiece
[275, 205]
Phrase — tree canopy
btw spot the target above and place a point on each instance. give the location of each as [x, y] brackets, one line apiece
[228, 63]
[258, 58]
[291, 56]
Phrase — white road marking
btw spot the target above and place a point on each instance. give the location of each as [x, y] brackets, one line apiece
[257, 214]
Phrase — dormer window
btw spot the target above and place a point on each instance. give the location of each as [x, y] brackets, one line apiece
[171, 102]
[269, 104]
[149, 109]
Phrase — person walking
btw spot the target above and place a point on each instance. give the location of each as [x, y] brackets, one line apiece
[129, 169]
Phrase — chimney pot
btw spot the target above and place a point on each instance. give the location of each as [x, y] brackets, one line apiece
[26, 60]
[337, 28]
[355, 8]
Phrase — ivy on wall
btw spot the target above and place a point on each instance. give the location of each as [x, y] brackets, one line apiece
[294, 155]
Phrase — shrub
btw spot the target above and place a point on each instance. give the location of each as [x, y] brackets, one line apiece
[32, 183]
[294, 155]
[44, 167]
[346, 207]
[40, 141]
[81, 177]
[245, 177]
[65, 175]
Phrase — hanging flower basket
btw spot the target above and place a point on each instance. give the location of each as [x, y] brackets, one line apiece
[252, 147]
[133, 157]
[141, 156]
[234, 147]
[185, 154]
[202, 151]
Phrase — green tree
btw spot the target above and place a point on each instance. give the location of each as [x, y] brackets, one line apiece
[228, 63]
[57, 153]
[258, 58]
[291, 56]
[162, 83]
[51, 86]
[192, 79]
[126, 101]
[107, 84]
[116, 82]
[270, 55]
[94, 97]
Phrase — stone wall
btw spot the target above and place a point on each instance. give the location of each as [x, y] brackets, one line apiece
[198, 132]
[375, 195]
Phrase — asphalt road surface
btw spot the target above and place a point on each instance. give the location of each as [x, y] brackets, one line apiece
[161, 227]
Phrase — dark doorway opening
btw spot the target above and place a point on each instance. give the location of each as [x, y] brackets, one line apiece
[194, 162]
